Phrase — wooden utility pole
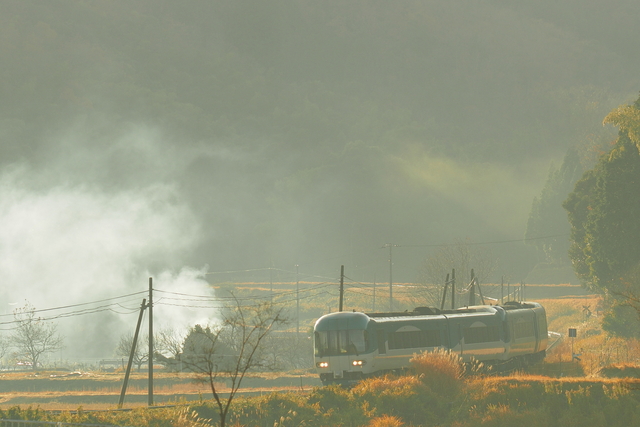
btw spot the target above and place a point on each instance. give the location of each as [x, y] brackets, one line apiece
[297, 302]
[374, 293]
[341, 287]
[390, 277]
[271, 279]
[472, 290]
[444, 292]
[453, 288]
[133, 351]
[150, 341]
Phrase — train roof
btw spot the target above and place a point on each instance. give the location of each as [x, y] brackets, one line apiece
[433, 315]
[342, 320]
[359, 320]
[433, 311]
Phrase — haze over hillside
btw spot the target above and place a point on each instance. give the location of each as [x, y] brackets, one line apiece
[145, 137]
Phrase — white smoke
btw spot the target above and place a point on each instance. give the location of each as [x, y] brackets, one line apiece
[65, 242]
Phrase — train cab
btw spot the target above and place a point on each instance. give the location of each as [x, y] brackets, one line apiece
[342, 346]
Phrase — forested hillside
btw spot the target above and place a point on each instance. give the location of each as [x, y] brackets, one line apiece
[312, 133]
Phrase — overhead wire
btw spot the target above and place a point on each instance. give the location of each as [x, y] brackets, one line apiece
[292, 296]
[118, 306]
[269, 295]
[79, 304]
[477, 243]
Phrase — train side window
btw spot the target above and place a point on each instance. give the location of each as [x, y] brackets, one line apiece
[481, 334]
[414, 339]
[382, 348]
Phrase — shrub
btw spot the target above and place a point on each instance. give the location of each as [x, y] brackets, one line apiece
[272, 409]
[187, 418]
[385, 421]
[440, 370]
[337, 406]
[405, 397]
[620, 370]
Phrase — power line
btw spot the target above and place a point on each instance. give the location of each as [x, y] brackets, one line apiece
[116, 302]
[212, 298]
[480, 243]
[79, 304]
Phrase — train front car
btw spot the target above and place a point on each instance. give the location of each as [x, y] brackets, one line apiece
[343, 351]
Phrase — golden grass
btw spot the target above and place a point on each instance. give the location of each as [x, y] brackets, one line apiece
[385, 421]
[441, 370]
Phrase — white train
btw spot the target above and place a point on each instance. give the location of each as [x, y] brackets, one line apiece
[352, 345]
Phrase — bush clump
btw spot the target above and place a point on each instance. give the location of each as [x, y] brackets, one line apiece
[405, 398]
[440, 370]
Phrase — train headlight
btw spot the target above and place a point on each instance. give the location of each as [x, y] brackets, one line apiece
[322, 364]
[358, 363]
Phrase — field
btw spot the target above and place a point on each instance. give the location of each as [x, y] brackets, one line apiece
[100, 391]
[600, 356]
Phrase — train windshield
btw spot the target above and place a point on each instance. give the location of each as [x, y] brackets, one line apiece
[345, 342]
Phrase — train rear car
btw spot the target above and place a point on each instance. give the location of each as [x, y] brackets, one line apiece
[526, 332]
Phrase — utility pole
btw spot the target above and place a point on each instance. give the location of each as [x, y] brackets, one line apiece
[390, 246]
[271, 279]
[341, 287]
[444, 292]
[374, 293]
[453, 288]
[133, 351]
[150, 341]
[297, 302]
[472, 290]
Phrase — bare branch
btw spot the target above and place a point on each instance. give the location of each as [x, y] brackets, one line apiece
[33, 337]
[230, 349]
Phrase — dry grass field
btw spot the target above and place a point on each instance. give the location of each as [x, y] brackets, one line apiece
[101, 391]
[599, 356]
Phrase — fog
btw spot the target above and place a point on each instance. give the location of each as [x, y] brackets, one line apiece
[215, 142]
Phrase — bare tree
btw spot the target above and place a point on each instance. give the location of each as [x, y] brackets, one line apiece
[167, 345]
[462, 256]
[141, 353]
[287, 350]
[33, 337]
[229, 349]
[168, 342]
[5, 345]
